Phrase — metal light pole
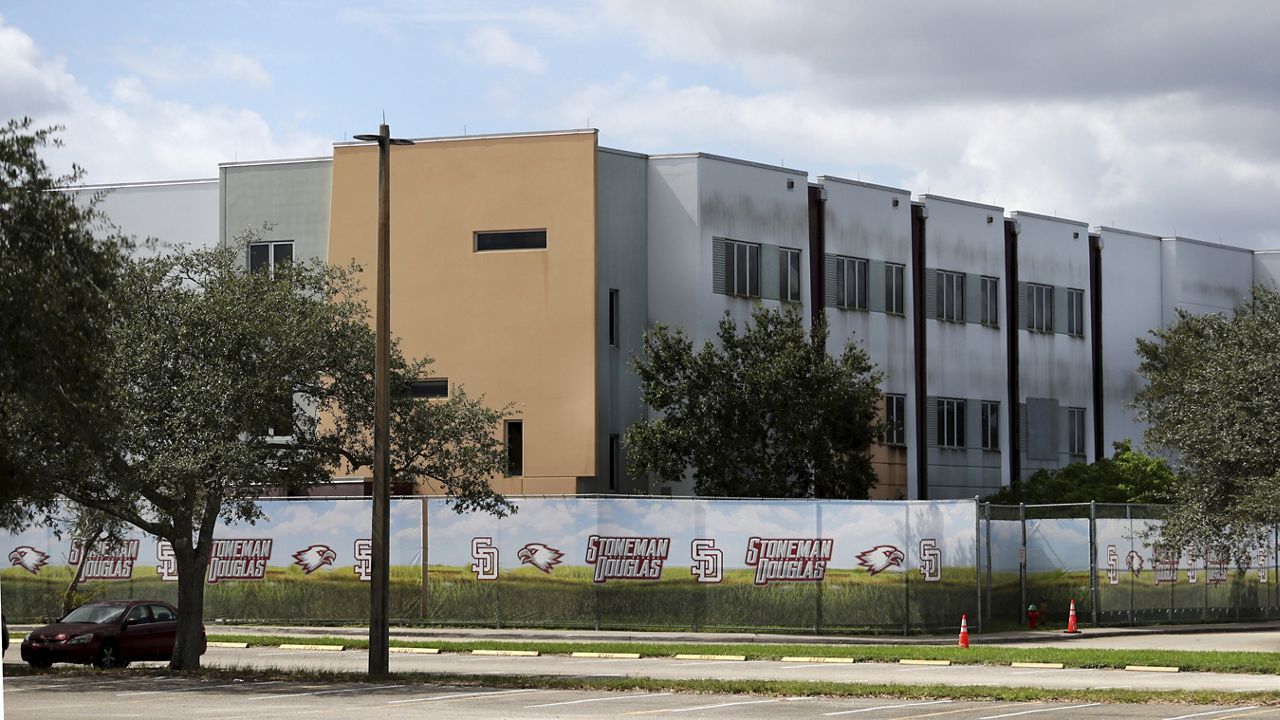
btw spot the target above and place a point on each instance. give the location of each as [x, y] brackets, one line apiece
[380, 587]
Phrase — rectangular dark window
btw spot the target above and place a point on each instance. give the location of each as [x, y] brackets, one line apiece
[1075, 311]
[613, 318]
[894, 293]
[895, 418]
[613, 462]
[1040, 307]
[950, 296]
[515, 447]
[950, 423]
[990, 417]
[789, 275]
[281, 422]
[511, 240]
[742, 268]
[429, 388]
[1075, 431]
[268, 256]
[851, 283]
[990, 301]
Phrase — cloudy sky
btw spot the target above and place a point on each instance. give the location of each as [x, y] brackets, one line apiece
[1157, 117]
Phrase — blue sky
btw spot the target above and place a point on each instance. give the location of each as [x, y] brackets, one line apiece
[1153, 117]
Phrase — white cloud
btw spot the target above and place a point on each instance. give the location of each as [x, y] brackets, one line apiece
[133, 133]
[495, 46]
[174, 66]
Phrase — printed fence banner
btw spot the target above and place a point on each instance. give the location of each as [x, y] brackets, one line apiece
[687, 562]
[305, 560]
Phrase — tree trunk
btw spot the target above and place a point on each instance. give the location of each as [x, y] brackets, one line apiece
[86, 546]
[192, 566]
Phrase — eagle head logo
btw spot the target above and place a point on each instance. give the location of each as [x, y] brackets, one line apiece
[1134, 561]
[543, 557]
[311, 558]
[880, 557]
[28, 558]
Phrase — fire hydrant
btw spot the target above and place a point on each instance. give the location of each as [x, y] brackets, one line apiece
[1033, 616]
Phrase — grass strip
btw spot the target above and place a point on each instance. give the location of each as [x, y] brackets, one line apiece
[1187, 660]
[789, 688]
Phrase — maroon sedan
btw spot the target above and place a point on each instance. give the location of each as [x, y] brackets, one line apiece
[108, 633]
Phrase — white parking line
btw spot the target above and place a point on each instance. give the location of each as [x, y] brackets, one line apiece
[461, 696]
[599, 699]
[322, 692]
[1210, 712]
[197, 687]
[720, 705]
[887, 707]
[1041, 710]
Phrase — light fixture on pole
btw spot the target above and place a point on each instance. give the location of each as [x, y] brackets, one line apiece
[380, 560]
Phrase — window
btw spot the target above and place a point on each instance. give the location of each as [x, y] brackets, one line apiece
[789, 275]
[515, 447]
[950, 296]
[1075, 312]
[511, 240]
[1040, 307]
[990, 301]
[613, 462]
[138, 615]
[990, 417]
[281, 422]
[1075, 431]
[895, 418]
[950, 423]
[267, 256]
[851, 283]
[894, 294]
[741, 268]
[613, 318]
[160, 613]
[429, 388]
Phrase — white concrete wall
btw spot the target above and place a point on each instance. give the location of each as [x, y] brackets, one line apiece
[1202, 277]
[291, 196]
[967, 360]
[179, 212]
[861, 220]
[1131, 309]
[1266, 268]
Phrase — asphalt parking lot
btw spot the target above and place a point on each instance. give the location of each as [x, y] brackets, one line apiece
[47, 697]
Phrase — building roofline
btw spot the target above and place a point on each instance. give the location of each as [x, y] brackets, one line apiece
[926, 197]
[483, 136]
[1039, 216]
[1106, 228]
[725, 158]
[861, 183]
[279, 161]
[627, 153]
[1193, 241]
[139, 184]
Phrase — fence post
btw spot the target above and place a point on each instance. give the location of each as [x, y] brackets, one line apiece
[977, 556]
[906, 576]
[1022, 564]
[817, 614]
[987, 511]
[1093, 561]
[1133, 580]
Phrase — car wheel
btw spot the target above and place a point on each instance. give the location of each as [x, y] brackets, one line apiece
[108, 657]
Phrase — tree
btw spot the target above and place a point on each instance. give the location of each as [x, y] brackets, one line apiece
[211, 363]
[57, 283]
[1127, 476]
[764, 413]
[1212, 403]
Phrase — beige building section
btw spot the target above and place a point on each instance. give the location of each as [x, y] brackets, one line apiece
[517, 326]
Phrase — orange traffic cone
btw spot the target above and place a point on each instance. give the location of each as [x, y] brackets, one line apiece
[1071, 620]
[964, 631]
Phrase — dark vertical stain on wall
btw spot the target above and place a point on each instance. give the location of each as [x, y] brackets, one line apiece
[918, 218]
[1095, 340]
[1012, 301]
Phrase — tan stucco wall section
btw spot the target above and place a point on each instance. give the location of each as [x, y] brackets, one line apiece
[517, 326]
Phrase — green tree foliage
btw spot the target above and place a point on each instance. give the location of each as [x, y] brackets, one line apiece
[762, 413]
[1126, 477]
[56, 290]
[1212, 402]
[208, 358]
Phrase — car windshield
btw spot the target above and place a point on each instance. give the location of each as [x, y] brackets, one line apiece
[94, 614]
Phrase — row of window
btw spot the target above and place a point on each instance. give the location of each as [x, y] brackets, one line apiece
[950, 431]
